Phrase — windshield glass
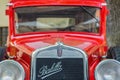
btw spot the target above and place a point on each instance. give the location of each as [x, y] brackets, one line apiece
[57, 18]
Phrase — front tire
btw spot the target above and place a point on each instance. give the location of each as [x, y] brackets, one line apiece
[2, 53]
[114, 53]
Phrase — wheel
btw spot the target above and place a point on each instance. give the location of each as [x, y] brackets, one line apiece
[114, 53]
[2, 53]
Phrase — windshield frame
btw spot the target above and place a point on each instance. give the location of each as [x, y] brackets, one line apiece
[63, 32]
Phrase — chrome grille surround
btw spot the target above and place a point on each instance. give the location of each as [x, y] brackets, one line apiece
[36, 55]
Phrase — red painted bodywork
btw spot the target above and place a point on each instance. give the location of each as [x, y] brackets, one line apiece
[20, 47]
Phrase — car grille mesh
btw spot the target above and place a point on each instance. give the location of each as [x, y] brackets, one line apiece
[59, 62]
[71, 69]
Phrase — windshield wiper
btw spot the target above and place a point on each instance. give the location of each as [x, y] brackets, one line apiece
[97, 21]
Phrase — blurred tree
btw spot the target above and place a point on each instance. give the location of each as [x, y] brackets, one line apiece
[113, 23]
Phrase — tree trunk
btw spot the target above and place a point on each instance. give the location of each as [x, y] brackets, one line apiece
[113, 23]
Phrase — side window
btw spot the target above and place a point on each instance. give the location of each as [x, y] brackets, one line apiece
[45, 24]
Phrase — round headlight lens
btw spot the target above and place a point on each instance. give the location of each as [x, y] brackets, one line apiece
[11, 70]
[108, 70]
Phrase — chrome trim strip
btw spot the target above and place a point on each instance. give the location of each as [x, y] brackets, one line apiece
[33, 60]
[9, 4]
[103, 62]
[104, 4]
[17, 64]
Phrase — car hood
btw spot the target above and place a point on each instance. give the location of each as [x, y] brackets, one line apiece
[28, 45]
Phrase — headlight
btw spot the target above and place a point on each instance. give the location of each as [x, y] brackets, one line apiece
[108, 70]
[11, 70]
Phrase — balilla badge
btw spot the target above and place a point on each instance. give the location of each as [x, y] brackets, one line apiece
[46, 72]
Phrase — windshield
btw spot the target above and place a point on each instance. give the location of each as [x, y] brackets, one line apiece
[57, 18]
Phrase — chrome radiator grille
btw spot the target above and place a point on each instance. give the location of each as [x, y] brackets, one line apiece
[59, 62]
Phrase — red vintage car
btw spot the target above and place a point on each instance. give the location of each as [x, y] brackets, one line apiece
[58, 40]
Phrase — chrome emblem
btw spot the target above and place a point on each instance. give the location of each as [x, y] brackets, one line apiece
[45, 72]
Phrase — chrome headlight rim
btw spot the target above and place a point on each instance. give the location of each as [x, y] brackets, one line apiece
[16, 64]
[103, 62]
